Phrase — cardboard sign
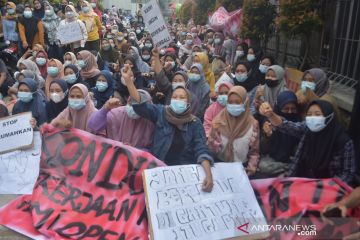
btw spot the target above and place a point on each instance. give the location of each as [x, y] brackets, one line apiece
[20, 169]
[89, 187]
[154, 21]
[69, 33]
[179, 209]
[16, 132]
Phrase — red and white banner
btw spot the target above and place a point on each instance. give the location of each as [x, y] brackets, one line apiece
[228, 23]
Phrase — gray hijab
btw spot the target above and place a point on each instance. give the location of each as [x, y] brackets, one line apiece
[271, 94]
[321, 81]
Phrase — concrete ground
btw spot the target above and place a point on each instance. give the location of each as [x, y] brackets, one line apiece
[6, 233]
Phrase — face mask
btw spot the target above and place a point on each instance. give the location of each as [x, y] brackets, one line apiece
[183, 33]
[34, 53]
[131, 113]
[222, 100]
[210, 40]
[148, 45]
[250, 57]
[307, 84]
[25, 96]
[53, 71]
[241, 77]
[146, 57]
[317, 123]
[76, 104]
[178, 106]
[70, 78]
[69, 14]
[40, 61]
[132, 38]
[235, 110]
[106, 47]
[120, 39]
[193, 77]
[67, 62]
[239, 53]
[271, 83]
[93, 5]
[27, 14]
[125, 34]
[11, 11]
[217, 40]
[176, 85]
[263, 68]
[101, 86]
[57, 97]
[188, 41]
[138, 31]
[81, 63]
[85, 9]
[48, 12]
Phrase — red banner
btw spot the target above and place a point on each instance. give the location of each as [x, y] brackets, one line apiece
[88, 188]
[298, 201]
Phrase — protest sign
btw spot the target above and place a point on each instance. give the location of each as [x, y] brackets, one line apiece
[179, 209]
[16, 132]
[20, 169]
[154, 21]
[294, 205]
[89, 187]
[69, 33]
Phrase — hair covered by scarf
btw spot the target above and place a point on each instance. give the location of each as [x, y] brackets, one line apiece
[91, 68]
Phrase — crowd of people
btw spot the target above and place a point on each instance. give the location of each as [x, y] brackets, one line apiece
[207, 97]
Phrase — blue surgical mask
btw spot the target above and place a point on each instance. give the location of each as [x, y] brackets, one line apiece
[27, 14]
[176, 85]
[131, 113]
[25, 96]
[53, 71]
[263, 68]
[40, 61]
[307, 84]
[317, 123]
[241, 77]
[11, 11]
[70, 78]
[148, 45]
[250, 57]
[101, 86]
[188, 42]
[178, 106]
[77, 104]
[222, 100]
[81, 63]
[239, 53]
[194, 77]
[138, 31]
[146, 57]
[85, 9]
[217, 40]
[235, 110]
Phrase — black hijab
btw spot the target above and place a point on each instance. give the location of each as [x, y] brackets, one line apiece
[102, 97]
[30, 26]
[39, 13]
[320, 147]
[250, 82]
[54, 109]
[78, 76]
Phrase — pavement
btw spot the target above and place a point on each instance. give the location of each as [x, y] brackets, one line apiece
[6, 233]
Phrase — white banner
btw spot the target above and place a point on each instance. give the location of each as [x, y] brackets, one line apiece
[15, 132]
[154, 21]
[179, 209]
[19, 169]
[69, 33]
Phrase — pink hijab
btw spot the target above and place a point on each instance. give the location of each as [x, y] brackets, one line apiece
[213, 110]
[138, 133]
[91, 69]
[79, 118]
[49, 78]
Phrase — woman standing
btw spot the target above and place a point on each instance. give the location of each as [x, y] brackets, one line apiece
[39, 10]
[9, 23]
[51, 22]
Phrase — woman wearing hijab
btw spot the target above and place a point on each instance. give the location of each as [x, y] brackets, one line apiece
[79, 110]
[107, 55]
[104, 89]
[178, 136]
[41, 60]
[186, 48]
[9, 23]
[51, 22]
[89, 68]
[235, 134]
[95, 6]
[93, 25]
[30, 54]
[190, 59]
[324, 150]
[132, 40]
[30, 65]
[170, 65]
[140, 64]
[58, 99]
[70, 16]
[277, 147]
[218, 49]
[241, 52]
[146, 55]
[13, 90]
[214, 109]
[253, 56]
[31, 29]
[203, 59]
[120, 40]
[30, 100]
[39, 10]
[69, 58]
[72, 76]
[123, 124]
[195, 35]
[55, 70]
[230, 46]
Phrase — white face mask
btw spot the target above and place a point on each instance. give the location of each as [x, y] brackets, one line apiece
[57, 97]
[178, 84]
[317, 123]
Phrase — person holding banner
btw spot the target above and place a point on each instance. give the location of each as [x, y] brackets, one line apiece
[179, 137]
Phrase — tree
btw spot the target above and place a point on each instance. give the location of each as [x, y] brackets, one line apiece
[201, 13]
[187, 11]
[299, 18]
[258, 21]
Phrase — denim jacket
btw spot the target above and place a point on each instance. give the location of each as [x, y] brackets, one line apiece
[9, 30]
[195, 150]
